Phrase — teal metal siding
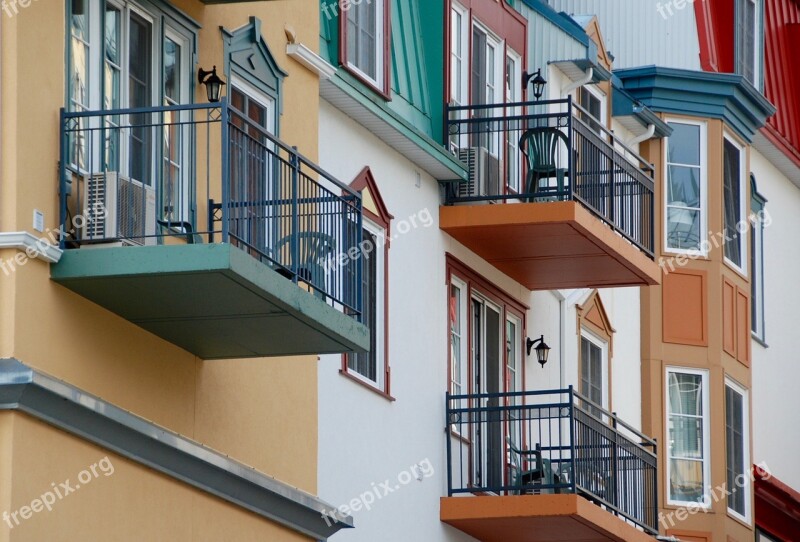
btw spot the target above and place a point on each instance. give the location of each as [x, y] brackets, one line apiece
[417, 61]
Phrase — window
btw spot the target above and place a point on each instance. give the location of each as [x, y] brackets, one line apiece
[365, 41]
[459, 56]
[748, 37]
[737, 450]
[458, 336]
[734, 204]
[512, 95]
[688, 474]
[594, 371]
[370, 365]
[372, 368]
[686, 188]
[757, 203]
[592, 102]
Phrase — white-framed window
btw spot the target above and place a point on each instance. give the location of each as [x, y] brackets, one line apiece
[371, 366]
[685, 192]
[748, 40]
[757, 208]
[366, 41]
[737, 450]
[688, 438]
[594, 371]
[459, 55]
[734, 203]
[513, 94]
[594, 103]
[458, 335]
[486, 81]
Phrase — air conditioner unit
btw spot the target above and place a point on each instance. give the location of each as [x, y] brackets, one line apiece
[119, 209]
[485, 173]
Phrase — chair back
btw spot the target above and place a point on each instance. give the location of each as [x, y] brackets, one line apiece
[540, 147]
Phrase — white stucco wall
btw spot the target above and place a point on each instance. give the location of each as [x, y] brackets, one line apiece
[366, 439]
[776, 369]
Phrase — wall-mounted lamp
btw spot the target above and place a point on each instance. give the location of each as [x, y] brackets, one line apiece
[212, 82]
[538, 82]
[542, 351]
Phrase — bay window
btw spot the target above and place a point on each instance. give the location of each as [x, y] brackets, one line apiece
[686, 187]
[688, 469]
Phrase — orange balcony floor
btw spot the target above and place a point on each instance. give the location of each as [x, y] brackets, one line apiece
[536, 518]
[547, 246]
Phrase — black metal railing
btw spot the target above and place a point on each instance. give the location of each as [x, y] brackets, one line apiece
[206, 173]
[551, 150]
[551, 441]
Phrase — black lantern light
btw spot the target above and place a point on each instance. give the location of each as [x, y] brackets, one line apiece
[542, 350]
[212, 82]
[538, 82]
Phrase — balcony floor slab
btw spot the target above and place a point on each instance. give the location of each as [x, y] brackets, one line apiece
[536, 518]
[213, 300]
[551, 245]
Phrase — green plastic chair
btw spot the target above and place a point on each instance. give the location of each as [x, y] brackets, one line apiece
[527, 480]
[540, 146]
[315, 249]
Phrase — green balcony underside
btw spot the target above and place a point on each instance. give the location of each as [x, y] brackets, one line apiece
[213, 300]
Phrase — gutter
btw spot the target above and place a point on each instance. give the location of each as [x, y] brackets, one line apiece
[651, 130]
[587, 78]
[32, 246]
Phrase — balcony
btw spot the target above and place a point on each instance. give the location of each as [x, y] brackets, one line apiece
[554, 199]
[198, 225]
[547, 465]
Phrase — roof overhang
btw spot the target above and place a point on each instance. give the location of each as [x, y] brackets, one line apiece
[729, 97]
[633, 115]
[71, 409]
[576, 69]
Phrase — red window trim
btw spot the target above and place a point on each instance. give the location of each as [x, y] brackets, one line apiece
[509, 305]
[385, 92]
[363, 180]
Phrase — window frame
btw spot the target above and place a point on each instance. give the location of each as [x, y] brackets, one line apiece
[706, 417]
[463, 288]
[742, 239]
[379, 225]
[602, 98]
[758, 41]
[745, 396]
[382, 84]
[757, 299]
[703, 209]
[602, 344]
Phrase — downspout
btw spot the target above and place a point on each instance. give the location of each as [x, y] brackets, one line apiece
[651, 129]
[587, 78]
[562, 338]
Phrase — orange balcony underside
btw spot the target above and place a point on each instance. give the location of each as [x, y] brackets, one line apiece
[547, 246]
[536, 518]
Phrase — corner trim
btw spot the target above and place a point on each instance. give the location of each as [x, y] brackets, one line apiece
[30, 244]
[66, 407]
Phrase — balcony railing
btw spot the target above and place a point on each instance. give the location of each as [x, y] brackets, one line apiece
[551, 441]
[208, 173]
[551, 150]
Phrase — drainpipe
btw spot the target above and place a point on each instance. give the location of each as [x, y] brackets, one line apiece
[587, 78]
[562, 336]
[651, 129]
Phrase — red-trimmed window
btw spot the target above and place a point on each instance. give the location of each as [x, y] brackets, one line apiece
[364, 42]
[372, 368]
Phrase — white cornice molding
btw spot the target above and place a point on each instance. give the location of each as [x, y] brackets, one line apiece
[31, 245]
[310, 60]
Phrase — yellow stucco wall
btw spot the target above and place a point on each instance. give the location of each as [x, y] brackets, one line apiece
[262, 412]
[122, 501]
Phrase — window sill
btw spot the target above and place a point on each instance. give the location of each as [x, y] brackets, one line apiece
[758, 339]
[366, 385]
[738, 519]
[355, 73]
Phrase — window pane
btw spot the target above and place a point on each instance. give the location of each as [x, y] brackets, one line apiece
[684, 186]
[172, 71]
[362, 37]
[456, 338]
[683, 228]
[686, 480]
[732, 194]
[734, 418]
[685, 394]
[684, 144]
[367, 364]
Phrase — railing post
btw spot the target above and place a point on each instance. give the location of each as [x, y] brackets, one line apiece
[225, 164]
[359, 266]
[62, 176]
[294, 160]
[572, 440]
[615, 463]
[654, 524]
[612, 196]
[570, 164]
[449, 444]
